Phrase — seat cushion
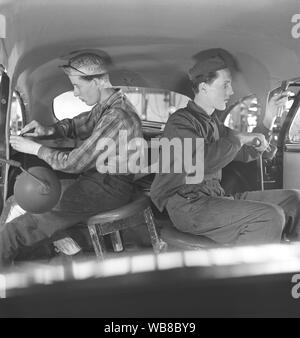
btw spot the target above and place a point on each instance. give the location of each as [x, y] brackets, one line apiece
[181, 240]
[177, 239]
[136, 206]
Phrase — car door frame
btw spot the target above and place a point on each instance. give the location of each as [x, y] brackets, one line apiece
[284, 145]
[4, 146]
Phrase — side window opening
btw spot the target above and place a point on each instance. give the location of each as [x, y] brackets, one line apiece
[243, 115]
[16, 114]
[66, 106]
[282, 113]
[151, 104]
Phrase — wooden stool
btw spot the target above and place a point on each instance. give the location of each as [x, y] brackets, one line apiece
[113, 221]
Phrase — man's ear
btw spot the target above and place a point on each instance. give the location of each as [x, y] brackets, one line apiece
[202, 87]
[97, 82]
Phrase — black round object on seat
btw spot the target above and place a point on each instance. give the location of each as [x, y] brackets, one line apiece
[37, 194]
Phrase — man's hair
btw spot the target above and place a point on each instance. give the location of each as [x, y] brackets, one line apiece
[93, 64]
[205, 70]
[208, 78]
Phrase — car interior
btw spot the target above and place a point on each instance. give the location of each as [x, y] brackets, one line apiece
[149, 49]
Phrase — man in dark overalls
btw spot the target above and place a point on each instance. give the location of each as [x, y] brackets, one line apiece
[202, 208]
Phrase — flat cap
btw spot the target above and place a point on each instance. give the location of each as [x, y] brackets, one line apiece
[203, 67]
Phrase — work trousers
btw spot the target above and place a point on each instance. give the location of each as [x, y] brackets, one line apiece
[254, 217]
[89, 194]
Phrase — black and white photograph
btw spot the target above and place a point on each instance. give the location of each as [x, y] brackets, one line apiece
[149, 161]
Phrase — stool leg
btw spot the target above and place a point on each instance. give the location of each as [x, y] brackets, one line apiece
[157, 243]
[116, 241]
[98, 243]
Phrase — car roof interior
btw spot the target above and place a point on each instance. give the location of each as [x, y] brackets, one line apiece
[152, 44]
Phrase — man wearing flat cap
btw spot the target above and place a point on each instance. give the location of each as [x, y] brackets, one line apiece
[92, 192]
[202, 208]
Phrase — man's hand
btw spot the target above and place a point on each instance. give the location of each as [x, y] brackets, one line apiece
[24, 145]
[35, 129]
[250, 138]
[274, 107]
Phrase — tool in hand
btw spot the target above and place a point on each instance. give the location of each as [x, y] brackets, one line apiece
[27, 132]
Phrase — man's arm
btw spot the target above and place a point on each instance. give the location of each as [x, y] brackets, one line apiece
[249, 151]
[217, 154]
[79, 126]
[85, 156]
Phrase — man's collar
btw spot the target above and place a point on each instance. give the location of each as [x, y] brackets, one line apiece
[197, 109]
[117, 93]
